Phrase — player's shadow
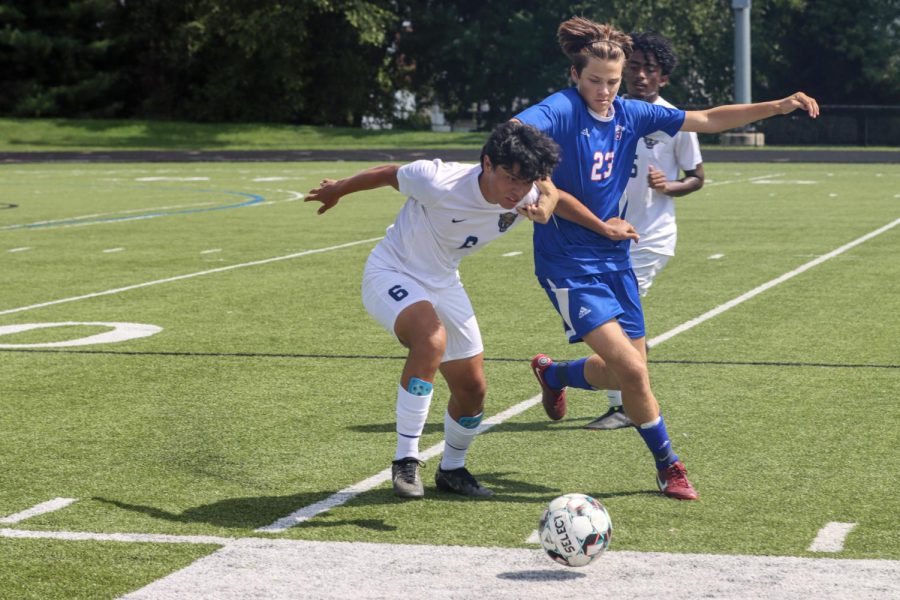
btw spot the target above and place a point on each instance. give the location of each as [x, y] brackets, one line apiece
[392, 427]
[245, 512]
[540, 575]
[543, 425]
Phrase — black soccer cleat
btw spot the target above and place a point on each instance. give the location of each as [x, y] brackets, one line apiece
[460, 481]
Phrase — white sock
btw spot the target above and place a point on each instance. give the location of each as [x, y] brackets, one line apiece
[615, 398]
[457, 440]
[412, 413]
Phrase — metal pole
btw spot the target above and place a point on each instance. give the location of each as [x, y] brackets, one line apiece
[741, 51]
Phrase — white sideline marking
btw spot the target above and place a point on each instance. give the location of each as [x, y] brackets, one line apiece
[512, 254]
[22, 249]
[38, 509]
[831, 537]
[111, 250]
[210, 251]
[80, 536]
[348, 493]
[768, 285]
[290, 569]
[715, 256]
[136, 286]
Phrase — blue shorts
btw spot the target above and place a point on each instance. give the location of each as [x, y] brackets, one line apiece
[587, 302]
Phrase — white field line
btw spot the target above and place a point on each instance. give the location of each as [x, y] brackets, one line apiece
[766, 286]
[38, 509]
[108, 214]
[831, 537]
[79, 536]
[749, 179]
[348, 493]
[136, 286]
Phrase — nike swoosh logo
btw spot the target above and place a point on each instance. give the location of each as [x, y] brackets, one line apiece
[457, 220]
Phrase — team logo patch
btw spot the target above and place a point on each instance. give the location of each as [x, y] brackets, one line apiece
[506, 219]
[619, 130]
[585, 132]
[650, 142]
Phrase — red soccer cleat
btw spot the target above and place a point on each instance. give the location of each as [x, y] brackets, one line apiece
[554, 400]
[673, 482]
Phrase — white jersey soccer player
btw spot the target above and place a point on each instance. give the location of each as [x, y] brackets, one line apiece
[445, 218]
[411, 283]
[651, 212]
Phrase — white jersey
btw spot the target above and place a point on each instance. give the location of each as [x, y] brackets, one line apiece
[651, 213]
[445, 218]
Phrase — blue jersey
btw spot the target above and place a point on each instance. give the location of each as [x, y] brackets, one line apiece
[597, 158]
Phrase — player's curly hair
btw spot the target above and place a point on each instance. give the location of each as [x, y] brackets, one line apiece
[582, 39]
[514, 143]
[650, 42]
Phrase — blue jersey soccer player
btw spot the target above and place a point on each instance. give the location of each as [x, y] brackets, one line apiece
[586, 275]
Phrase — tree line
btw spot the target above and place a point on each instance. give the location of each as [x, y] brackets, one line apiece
[332, 62]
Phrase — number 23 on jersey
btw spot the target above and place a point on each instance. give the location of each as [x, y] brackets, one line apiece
[601, 160]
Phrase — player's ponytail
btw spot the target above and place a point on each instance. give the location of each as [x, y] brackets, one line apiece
[582, 39]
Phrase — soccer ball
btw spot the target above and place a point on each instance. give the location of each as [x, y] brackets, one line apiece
[575, 529]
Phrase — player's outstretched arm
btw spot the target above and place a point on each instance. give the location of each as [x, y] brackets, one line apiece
[723, 118]
[542, 210]
[330, 190]
[571, 209]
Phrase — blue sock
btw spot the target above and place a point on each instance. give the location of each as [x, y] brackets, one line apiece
[657, 439]
[570, 373]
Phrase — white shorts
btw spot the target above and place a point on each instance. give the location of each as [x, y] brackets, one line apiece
[386, 293]
[646, 266]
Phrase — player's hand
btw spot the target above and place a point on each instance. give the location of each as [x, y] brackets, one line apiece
[620, 229]
[656, 179]
[798, 100]
[542, 210]
[535, 212]
[327, 193]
